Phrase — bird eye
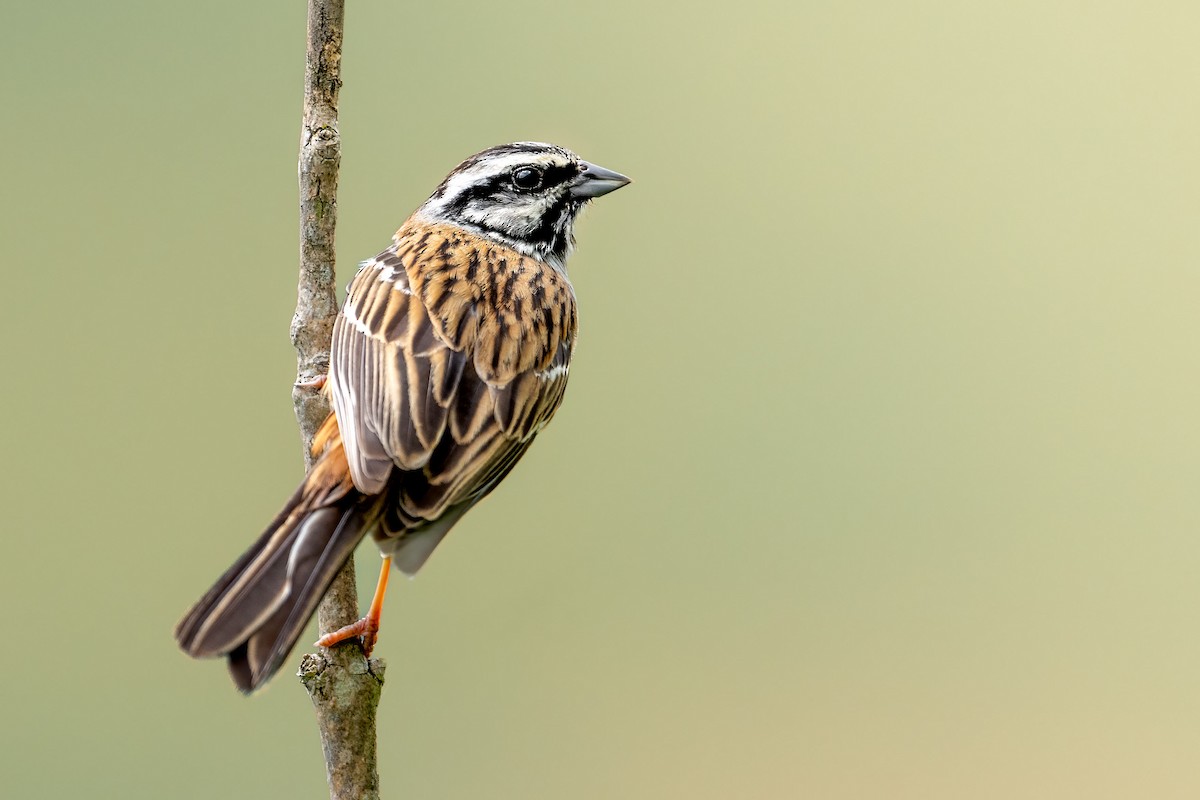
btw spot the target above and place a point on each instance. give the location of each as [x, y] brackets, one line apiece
[527, 178]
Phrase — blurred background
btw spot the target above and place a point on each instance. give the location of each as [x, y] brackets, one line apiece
[877, 475]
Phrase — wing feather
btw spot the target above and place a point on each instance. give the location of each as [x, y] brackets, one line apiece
[448, 358]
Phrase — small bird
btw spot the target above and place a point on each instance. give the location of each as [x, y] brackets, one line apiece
[449, 356]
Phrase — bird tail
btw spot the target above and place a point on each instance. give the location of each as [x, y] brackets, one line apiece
[257, 610]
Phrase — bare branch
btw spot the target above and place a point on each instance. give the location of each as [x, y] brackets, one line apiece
[344, 688]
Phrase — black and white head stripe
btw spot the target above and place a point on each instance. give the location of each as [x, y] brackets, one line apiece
[518, 194]
[498, 160]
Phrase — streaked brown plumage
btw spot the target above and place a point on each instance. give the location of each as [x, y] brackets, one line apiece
[449, 356]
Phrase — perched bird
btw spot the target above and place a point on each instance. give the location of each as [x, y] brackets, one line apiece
[449, 356]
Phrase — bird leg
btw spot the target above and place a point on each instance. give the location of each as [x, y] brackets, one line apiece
[367, 628]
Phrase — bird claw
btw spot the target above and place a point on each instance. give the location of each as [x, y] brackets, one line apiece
[313, 383]
[366, 630]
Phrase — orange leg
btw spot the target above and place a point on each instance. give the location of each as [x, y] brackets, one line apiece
[367, 628]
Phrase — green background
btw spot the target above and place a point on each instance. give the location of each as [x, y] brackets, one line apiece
[878, 472]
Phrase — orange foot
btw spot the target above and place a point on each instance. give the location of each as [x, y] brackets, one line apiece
[316, 383]
[367, 628]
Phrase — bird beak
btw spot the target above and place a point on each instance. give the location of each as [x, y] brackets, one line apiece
[596, 181]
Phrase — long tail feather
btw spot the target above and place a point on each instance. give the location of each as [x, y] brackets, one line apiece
[257, 610]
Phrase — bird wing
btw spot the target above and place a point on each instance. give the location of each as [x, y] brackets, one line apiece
[449, 356]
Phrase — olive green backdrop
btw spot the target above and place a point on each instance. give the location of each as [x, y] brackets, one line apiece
[878, 472]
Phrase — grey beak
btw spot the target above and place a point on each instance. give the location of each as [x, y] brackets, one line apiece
[596, 181]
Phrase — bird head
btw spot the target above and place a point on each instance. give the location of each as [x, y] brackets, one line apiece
[524, 195]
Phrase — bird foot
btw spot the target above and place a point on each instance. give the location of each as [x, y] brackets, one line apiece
[315, 383]
[366, 630]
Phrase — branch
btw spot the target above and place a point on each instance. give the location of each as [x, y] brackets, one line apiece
[344, 688]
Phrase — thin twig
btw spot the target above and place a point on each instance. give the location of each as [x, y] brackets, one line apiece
[344, 688]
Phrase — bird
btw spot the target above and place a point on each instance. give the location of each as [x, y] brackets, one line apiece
[450, 354]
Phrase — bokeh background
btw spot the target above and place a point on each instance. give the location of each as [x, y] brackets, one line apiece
[878, 474]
